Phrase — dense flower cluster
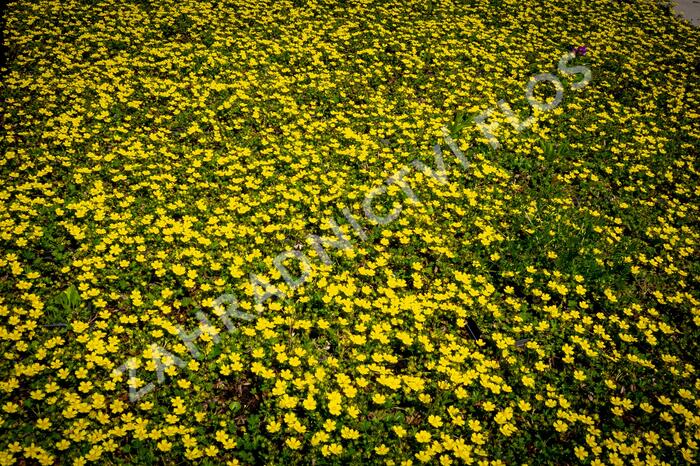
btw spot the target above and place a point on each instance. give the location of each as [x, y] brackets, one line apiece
[539, 304]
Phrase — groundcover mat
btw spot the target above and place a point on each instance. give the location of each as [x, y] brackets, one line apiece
[327, 232]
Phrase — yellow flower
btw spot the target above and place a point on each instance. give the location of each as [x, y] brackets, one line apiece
[560, 426]
[488, 406]
[478, 439]
[10, 407]
[79, 327]
[335, 448]
[62, 445]
[381, 450]
[164, 445]
[329, 425]
[349, 434]
[309, 403]
[581, 453]
[423, 436]
[273, 427]
[507, 429]
[293, 443]
[435, 421]
[353, 411]
[43, 423]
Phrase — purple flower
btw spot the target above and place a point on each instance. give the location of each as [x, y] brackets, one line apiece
[581, 51]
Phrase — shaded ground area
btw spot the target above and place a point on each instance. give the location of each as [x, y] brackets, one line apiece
[689, 9]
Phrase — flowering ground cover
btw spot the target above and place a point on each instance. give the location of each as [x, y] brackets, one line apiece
[228, 238]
